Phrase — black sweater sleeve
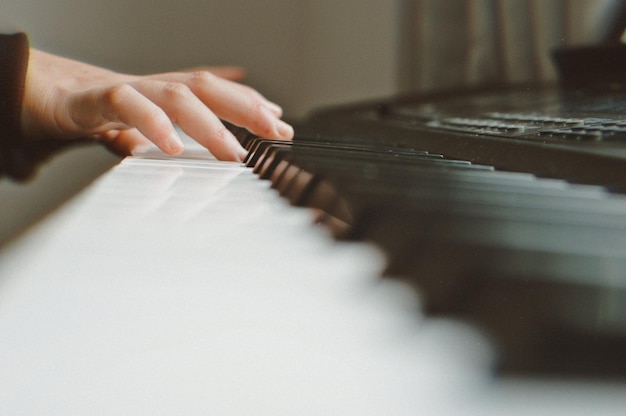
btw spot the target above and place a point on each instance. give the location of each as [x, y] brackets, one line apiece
[16, 157]
[13, 64]
[19, 157]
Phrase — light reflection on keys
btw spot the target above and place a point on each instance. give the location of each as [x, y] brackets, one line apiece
[233, 302]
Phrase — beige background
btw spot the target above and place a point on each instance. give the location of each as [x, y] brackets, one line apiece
[301, 53]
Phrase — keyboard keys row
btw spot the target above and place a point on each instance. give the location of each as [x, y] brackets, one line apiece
[532, 261]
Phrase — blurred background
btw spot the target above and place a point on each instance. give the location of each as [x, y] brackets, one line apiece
[301, 54]
[309, 53]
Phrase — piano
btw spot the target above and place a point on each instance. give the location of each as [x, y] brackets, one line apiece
[442, 254]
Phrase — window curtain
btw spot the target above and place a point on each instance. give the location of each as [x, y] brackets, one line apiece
[448, 43]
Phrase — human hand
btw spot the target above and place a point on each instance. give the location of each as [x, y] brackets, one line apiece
[64, 98]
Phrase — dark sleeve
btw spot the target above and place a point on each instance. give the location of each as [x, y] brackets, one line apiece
[13, 64]
[14, 53]
[19, 157]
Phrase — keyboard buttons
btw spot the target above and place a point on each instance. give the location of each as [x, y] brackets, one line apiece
[479, 126]
[587, 133]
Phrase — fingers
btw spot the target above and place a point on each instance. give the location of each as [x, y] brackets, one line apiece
[239, 104]
[186, 110]
[132, 107]
[152, 107]
[194, 101]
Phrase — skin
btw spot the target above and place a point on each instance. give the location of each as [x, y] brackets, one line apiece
[68, 99]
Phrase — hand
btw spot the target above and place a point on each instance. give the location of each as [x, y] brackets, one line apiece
[69, 99]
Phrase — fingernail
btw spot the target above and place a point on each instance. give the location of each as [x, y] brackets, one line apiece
[175, 143]
[284, 130]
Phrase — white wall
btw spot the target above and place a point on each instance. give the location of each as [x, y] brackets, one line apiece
[301, 53]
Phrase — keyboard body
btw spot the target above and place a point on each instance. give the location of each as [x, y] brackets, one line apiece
[503, 207]
[572, 133]
[186, 285]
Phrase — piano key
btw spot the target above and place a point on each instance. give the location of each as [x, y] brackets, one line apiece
[267, 156]
[429, 215]
[241, 306]
[278, 156]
